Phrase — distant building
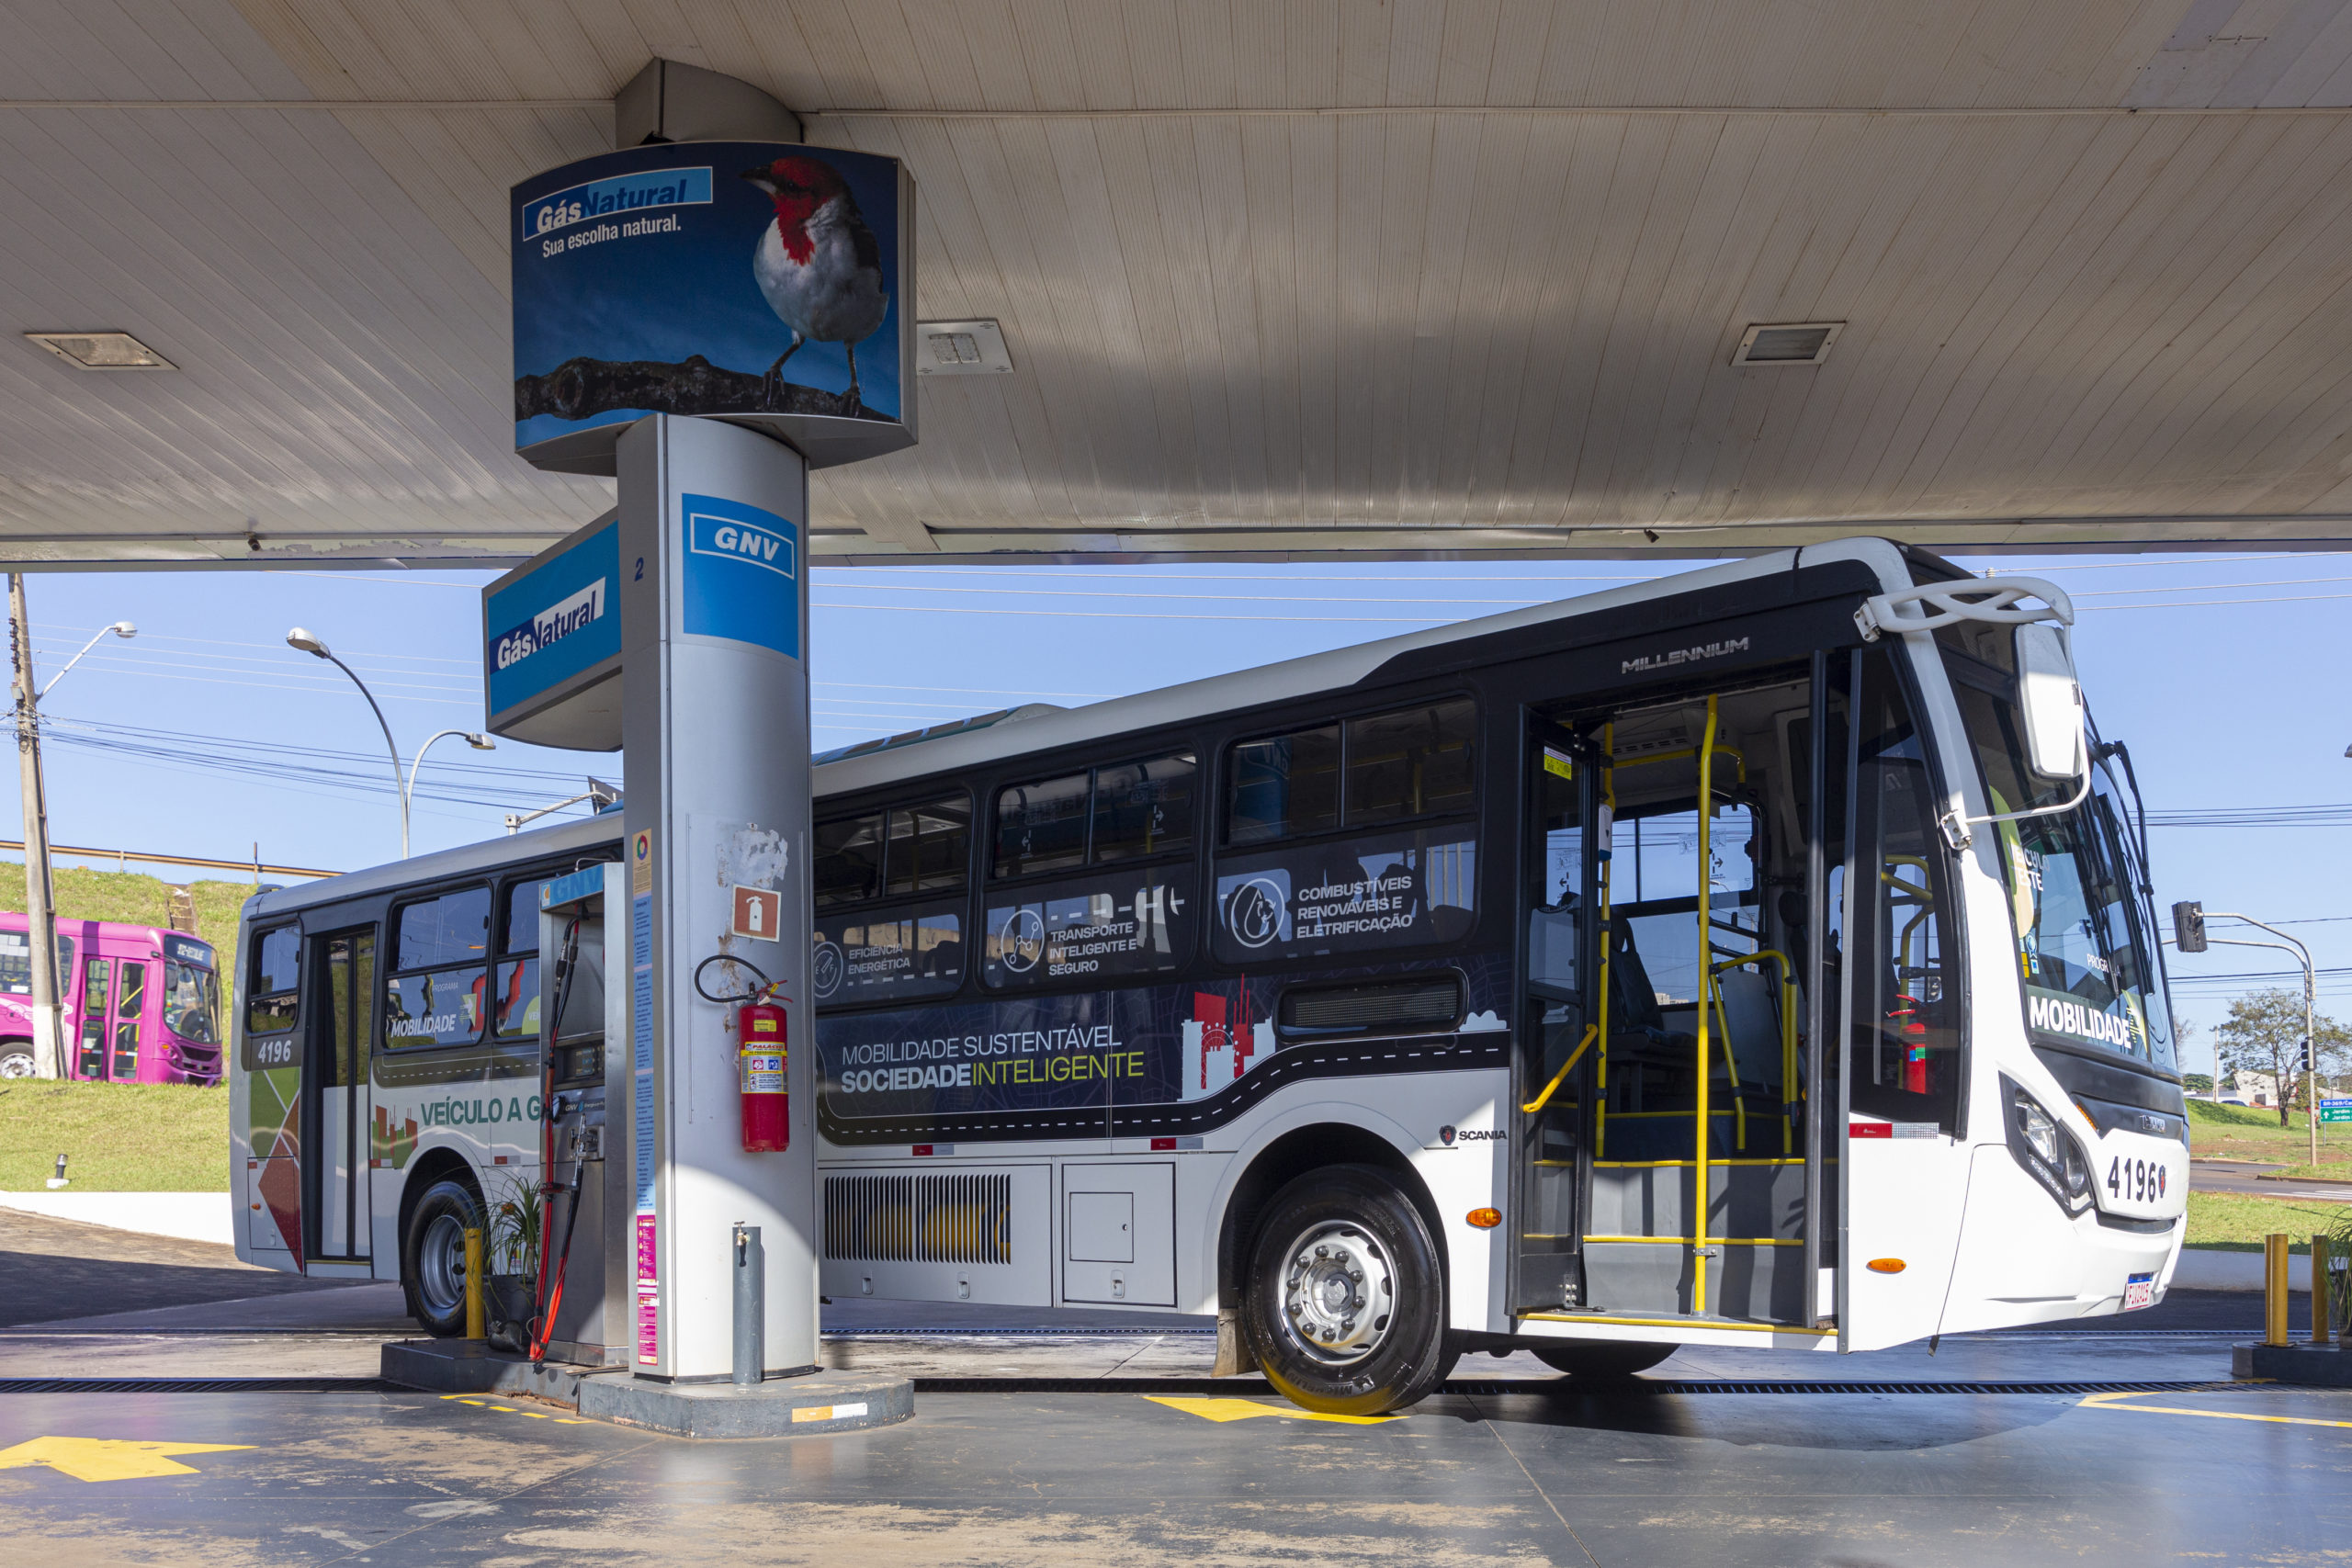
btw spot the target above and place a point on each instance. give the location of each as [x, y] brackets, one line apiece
[2255, 1089]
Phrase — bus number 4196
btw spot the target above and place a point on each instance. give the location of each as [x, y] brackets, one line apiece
[2142, 1181]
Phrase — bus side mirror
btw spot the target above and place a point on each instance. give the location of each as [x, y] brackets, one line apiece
[2051, 701]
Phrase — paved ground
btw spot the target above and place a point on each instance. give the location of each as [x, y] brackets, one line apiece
[1541, 1471]
[56, 1268]
[1629, 1479]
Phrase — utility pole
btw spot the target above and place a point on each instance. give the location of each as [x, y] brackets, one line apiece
[40, 895]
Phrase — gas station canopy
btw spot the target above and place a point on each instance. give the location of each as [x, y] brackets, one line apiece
[1282, 280]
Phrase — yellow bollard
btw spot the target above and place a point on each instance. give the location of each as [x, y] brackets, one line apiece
[475, 1330]
[2274, 1289]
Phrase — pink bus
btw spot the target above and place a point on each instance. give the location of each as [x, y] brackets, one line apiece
[138, 1004]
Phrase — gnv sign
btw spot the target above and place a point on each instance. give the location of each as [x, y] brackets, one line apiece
[712, 536]
[742, 574]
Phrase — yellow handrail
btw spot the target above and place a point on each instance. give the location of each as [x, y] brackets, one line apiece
[1733, 752]
[1600, 1064]
[1788, 1032]
[1532, 1106]
[1705, 1126]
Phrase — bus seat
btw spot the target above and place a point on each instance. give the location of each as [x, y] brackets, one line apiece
[1754, 1024]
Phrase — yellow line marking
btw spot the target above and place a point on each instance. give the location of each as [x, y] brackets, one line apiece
[2108, 1402]
[108, 1459]
[508, 1408]
[1243, 1409]
[572, 1421]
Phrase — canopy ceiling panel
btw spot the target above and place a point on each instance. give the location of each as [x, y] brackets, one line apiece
[1278, 279]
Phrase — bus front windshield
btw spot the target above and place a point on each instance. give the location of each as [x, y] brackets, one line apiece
[2085, 931]
[191, 1001]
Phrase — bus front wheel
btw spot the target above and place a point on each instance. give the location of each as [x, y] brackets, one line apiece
[1345, 1305]
[17, 1059]
[433, 1256]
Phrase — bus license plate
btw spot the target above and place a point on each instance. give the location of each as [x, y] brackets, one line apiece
[2139, 1290]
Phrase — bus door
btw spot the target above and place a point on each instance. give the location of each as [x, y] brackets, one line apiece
[1557, 1025]
[337, 1099]
[1895, 945]
[114, 1004]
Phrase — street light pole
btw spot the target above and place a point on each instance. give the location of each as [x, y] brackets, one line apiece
[474, 739]
[40, 890]
[310, 643]
[2310, 988]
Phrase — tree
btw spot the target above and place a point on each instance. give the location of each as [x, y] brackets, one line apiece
[2264, 1034]
[2197, 1083]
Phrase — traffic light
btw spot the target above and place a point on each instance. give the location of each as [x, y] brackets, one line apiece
[2303, 1060]
[2188, 927]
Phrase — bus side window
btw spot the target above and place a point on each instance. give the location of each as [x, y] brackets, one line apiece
[271, 988]
[441, 949]
[514, 1013]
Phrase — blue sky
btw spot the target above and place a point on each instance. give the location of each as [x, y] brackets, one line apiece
[2223, 674]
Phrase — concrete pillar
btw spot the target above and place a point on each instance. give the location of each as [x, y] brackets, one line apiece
[715, 736]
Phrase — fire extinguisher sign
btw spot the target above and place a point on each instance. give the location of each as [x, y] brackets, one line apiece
[759, 912]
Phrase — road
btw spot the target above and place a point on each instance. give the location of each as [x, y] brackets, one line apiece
[2245, 1177]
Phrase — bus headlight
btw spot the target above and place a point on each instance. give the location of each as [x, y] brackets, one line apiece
[2047, 1151]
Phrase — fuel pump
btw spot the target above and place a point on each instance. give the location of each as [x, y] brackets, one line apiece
[762, 1052]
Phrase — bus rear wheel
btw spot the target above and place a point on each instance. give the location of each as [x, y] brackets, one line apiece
[1345, 1305]
[1600, 1361]
[17, 1059]
[433, 1256]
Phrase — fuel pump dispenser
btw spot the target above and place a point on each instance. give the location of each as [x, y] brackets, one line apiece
[584, 1309]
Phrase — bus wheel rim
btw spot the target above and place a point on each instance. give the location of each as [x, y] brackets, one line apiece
[17, 1066]
[441, 1265]
[1335, 1296]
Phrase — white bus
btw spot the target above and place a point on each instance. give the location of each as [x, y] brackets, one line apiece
[1761, 956]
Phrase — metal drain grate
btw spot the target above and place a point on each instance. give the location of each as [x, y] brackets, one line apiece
[1731, 1385]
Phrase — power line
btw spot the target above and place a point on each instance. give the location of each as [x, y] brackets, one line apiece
[2337, 816]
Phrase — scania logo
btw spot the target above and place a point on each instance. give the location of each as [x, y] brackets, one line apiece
[1445, 1137]
[1449, 1136]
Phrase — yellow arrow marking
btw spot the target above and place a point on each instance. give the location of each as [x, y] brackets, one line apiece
[2111, 1401]
[108, 1459]
[1243, 1409]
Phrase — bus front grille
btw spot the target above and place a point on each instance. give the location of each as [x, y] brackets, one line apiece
[951, 1218]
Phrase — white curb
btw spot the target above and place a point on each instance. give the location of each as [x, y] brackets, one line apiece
[2203, 1269]
[189, 1216]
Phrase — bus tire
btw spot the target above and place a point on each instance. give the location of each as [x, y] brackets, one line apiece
[1601, 1360]
[433, 1256]
[17, 1059]
[1345, 1305]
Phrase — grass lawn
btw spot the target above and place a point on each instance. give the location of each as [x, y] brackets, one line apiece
[2227, 1222]
[116, 1137]
[2244, 1132]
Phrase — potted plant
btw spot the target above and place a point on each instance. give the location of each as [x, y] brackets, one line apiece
[512, 1285]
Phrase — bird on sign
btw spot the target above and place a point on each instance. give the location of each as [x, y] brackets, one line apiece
[818, 265]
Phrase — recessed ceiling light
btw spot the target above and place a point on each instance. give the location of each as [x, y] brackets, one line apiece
[1787, 342]
[102, 351]
[962, 349]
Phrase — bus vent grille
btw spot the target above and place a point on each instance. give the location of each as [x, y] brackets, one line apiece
[960, 1218]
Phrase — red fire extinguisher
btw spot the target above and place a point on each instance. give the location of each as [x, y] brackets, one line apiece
[762, 1056]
